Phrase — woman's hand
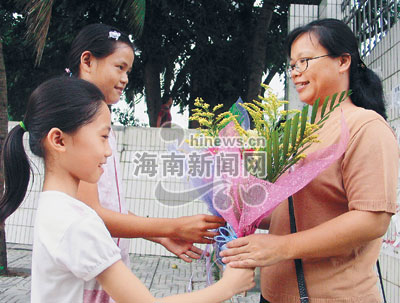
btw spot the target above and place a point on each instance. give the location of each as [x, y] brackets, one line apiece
[238, 279]
[336, 237]
[196, 229]
[255, 251]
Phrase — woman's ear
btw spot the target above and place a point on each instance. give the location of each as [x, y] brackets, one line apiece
[55, 140]
[86, 64]
[345, 62]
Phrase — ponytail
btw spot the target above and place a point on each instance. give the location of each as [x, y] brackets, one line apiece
[65, 103]
[367, 90]
[16, 172]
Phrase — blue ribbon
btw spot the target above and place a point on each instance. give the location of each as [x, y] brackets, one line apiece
[226, 234]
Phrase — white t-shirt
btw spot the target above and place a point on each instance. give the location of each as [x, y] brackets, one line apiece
[111, 194]
[71, 247]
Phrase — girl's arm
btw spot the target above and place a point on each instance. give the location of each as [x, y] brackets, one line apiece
[332, 238]
[192, 228]
[185, 250]
[123, 286]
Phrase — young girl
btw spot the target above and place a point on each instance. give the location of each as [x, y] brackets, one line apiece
[103, 55]
[69, 125]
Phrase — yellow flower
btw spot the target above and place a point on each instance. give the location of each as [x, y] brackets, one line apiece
[203, 121]
[225, 121]
[300, 156]
[217, 107]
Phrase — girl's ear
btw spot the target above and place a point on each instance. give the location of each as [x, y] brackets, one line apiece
[86, 62]
[345, 62]
[55, 140]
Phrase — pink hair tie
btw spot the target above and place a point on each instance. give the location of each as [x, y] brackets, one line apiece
[68, 71]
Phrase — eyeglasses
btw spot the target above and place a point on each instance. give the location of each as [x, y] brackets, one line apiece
[301, 64]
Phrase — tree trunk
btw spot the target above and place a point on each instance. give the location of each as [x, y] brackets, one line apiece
[272, 72]
[194, 93]
[152, 90]
[3, 134]
[258, 51]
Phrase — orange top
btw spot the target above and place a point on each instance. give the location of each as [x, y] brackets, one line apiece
[364, 178]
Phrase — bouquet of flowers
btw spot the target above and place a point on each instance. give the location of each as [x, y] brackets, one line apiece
[269, 160]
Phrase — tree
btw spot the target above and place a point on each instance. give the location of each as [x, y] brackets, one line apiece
[3, 134]
[256, 60]
[4, 36]
[188, 48]
[213, 49]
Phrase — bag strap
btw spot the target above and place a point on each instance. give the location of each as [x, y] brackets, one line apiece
[301, 282]
[380, 280]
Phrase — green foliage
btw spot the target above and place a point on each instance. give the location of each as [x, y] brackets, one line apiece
[199, 48]
[126, 116]
[135, 13]
[285, 145]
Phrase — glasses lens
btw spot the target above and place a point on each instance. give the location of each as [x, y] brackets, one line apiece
[301, 65]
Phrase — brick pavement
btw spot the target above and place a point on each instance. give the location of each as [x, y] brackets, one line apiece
[162, 275]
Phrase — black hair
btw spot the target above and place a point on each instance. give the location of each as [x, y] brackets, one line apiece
[338, 39]
[100, 39]
[165, 98]
[65, 103]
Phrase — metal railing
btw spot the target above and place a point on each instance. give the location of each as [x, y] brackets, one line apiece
[370, 20]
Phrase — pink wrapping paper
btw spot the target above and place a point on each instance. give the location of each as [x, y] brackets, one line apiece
[243, 201]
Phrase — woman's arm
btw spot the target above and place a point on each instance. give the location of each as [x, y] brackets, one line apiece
[123, 286]
[332, 238]
[191, 228]
[265, 223]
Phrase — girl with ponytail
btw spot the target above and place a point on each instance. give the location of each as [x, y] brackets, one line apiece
[68, 124]
[59, 103]
[343, 213]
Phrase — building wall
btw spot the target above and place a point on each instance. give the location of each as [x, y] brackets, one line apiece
[385, 61]
[330, 9]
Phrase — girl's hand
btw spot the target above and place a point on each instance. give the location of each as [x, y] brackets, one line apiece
[183, 249]
[255, 251]
[196, 229]
[238, 279]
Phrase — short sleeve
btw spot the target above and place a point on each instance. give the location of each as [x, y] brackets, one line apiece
[87, 248]
[370, 168]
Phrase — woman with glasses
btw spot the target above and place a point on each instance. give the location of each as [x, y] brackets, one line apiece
[343, 213]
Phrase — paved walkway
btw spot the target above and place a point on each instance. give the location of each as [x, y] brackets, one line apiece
[162, 275]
